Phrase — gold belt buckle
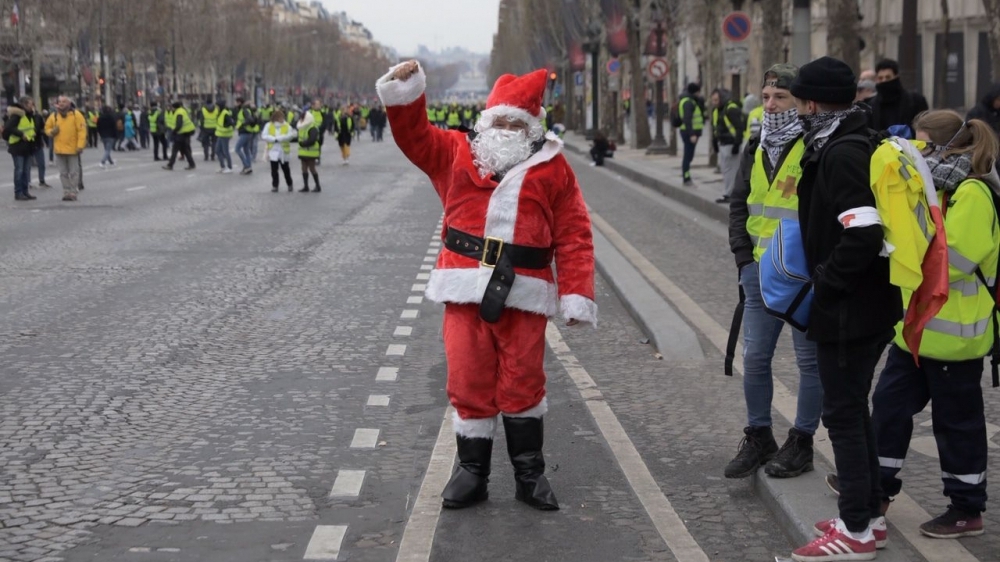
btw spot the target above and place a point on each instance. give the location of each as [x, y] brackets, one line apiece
[486, 250]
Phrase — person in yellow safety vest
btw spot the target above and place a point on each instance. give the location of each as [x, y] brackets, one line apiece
[183, 130]
[727, 138]
[765, 193]
[309, 151]
[209, 122]
[170, 120]
[442, 116]
[454, 119]
[345, 131]
[246, 128]
[158, 128]
[224, 130]
[22, 138]
[691, 110]
[755, 115]
[91, 127]
[431, 114]
[957, 339]
[278, 135]
[317, 112]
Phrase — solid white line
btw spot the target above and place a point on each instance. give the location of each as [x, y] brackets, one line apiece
[396, 349]
[409, 314]
[419, 287]
[325, 542]
[137, 188]
[665, 519]
[418, 537]
[414, 300]
[907, 515]
[348, 484]
[423, 276]
[378, 400]
[387, 374]
[403, 331]
[364, 438]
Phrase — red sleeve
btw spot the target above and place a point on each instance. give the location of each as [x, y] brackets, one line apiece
[573, 239]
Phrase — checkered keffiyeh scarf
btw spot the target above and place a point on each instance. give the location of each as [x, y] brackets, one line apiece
[777, 130]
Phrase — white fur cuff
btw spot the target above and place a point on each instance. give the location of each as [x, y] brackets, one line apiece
[482, 428]
[578, 307]
[397, 92]
[537, 411]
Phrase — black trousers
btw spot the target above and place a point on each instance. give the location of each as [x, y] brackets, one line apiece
[285, 168]
[92, 137]
[182, 144]
[956, 392]
[159, 139]
[208, 143]
[846, 370]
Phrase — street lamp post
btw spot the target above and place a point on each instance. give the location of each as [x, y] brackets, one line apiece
[593, 46]
[659, 144]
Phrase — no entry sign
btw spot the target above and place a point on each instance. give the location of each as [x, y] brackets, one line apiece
[658, 68]
[736, 26]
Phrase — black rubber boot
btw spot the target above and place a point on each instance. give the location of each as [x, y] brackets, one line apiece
[316, 189]
[793, 458]
[756, 449]
[524, 445]
[305, 184]
[468, 484]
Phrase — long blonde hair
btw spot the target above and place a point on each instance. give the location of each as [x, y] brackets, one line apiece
[946, 128]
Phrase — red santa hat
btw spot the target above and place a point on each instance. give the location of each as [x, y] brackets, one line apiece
[518, 97]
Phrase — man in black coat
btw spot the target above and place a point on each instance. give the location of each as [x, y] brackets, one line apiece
[988, 108]
[22, 142]
[894, 105]
[854, 309]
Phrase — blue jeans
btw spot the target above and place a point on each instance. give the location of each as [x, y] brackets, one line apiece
[253, 147]
[222, 152]
[243, 149]
[688, 154]
[40, 164]
[22, 173]
[760, 336]
[109, 145]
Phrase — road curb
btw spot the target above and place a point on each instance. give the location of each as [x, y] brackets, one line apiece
[669, 333]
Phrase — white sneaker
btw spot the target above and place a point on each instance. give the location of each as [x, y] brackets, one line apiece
[221, 171]
[227, 171]
[102, 166]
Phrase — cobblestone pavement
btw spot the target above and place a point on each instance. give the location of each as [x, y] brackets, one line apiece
[695, 255]
[189, 358]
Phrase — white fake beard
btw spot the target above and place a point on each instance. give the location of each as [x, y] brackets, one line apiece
[496, 151]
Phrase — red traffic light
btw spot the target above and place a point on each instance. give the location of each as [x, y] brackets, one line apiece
[139, 93]
[271, 91]
[553, 76]
[100, 81]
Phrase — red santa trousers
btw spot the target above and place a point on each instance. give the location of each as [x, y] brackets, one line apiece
[494, 368]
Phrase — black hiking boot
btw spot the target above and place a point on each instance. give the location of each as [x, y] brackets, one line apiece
[757, 448]
[793, 458]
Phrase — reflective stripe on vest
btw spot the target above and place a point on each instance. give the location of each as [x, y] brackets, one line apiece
[312, 151]
[722, 111]
[769, 202]
[957, 329]
[286, 146]
[221, 130]
[154, 116]
[697, 118]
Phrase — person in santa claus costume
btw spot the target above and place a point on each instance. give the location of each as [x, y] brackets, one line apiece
[512, 205]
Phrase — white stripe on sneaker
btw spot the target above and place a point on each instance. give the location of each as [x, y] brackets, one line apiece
[829, 550]
[843, 546]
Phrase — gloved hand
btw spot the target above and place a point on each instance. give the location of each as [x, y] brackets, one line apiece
[736, 149]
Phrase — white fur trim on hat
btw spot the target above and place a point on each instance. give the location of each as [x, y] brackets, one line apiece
[512, 112]
[537, 411]
[578, 307]
[401, 92]
[482, 428]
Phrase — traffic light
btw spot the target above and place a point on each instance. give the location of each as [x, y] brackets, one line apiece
[552, 80]
[271, 91]
[139, 93]
[100, 80]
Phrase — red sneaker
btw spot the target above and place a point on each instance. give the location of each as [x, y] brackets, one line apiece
[878, 526]
[837, 544]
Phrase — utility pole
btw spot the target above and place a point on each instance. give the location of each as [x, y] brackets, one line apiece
[659, 144]
[908, 56]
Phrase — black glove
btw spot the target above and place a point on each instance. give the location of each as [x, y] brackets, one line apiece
[736, 149]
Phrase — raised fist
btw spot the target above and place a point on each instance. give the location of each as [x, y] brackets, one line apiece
[405, 70]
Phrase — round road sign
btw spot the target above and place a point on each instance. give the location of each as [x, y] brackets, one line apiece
[614, 66]
[658, 68]
[736, 26]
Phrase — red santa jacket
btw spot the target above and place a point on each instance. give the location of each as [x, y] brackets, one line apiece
[538, 203]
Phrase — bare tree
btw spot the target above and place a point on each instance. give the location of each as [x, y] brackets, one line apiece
[941, 59]
[842, 40]
[993, 26]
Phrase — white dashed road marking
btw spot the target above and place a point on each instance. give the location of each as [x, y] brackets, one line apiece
[426, 267]
[348, 484]
[409, 314]
[325, 542]
[387, 374]
[396, 349]
[136, 188]
[364, 438]
[414, 300]
[423, 276]
[403, 331]
[378, 400]
[431, 259]
[419, 287]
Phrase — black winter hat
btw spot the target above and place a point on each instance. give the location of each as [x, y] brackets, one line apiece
[693, 88]
[825, 80]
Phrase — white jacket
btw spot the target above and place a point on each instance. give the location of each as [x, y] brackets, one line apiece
[270, 135]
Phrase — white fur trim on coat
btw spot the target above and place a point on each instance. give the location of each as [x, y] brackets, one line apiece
[501, 214]
[578, 307]
[467, 286]
[537, 411]
[482, 428]
[397, 92]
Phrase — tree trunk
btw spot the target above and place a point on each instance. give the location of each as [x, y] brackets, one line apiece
[941, 61]
[770, 29]
[842, 36]
[993, 26]
[638, 122]
[36, 75]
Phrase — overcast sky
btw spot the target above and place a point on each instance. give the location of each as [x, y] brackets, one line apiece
[404, 24]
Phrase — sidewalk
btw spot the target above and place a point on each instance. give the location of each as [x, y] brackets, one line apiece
[799, 502]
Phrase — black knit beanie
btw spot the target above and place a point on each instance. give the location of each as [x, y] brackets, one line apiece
[825, 80]
[693, 88]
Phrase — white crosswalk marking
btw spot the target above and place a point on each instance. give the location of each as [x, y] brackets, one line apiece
[396, 349]
[403, 331]
[378, 400]
[364, 438]
[325, 542]
[348, 484]
[387, 374]
[423, 276]
[419, 287]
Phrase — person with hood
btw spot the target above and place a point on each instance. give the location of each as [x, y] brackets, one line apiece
[130, 132]
[107, 129]
[22, 142]
[691, 110]
[961, 159]
[894, 108]
[309, 134]
[40, 152]
[988, 109]
[158, 129]
[727, 136]
[766, 191]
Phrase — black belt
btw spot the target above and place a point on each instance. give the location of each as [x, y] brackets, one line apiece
[503, 258]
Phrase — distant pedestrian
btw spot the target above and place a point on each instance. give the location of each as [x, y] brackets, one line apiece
[158, 129]
[224, 129]
[894, 108]
[309, 151]
[378, 122]
[22, 142]
[130, 132]
[345, 132]
[278, 135]
[246, 122]
[691, 110]
[41, 142]
[727, 138]
[183, 130]
[108, 133]
[143, 118]
[68, 130]
[599, 148]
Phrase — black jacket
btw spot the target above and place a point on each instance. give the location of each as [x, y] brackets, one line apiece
[984, 109]
[853, 298]
[10, 131]
[687, 113]
[895, 106]
[107, 126]
[734, 113]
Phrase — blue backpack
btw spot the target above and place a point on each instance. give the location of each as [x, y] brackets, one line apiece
[785, 282]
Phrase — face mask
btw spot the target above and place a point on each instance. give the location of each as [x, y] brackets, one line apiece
[775, 121]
